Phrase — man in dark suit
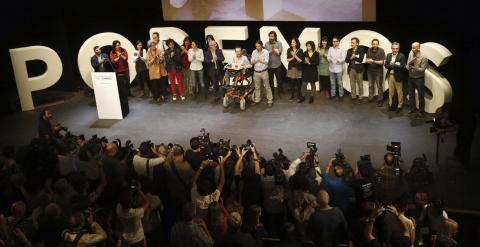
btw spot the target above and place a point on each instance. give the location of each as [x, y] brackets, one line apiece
[395, 65]
[100, 61]
[354, 59]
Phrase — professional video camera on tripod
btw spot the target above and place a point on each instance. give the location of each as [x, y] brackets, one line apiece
[395, 149]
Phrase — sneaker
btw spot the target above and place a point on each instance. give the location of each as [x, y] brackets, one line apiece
[270, 105]
[174, 98]
[182, 97]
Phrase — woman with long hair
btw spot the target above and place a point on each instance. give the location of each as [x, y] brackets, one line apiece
[322, 68]
[295, 64]
[310, 73]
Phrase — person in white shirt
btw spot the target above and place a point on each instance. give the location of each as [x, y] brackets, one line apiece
[130, 218]
[336, 59]
[158, 42]
[145, 160]
[195, 57]
[239, 62]
[259, 60]
[140, 60]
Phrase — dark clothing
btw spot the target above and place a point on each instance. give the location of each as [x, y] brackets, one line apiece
[398, 66]
[364, 189]
[310, 72]
[238, 239]
[101, 67]
[327, 227]
[278, 74]
[338, 191]
[294, 62]
[215, 69]
[123, 84]
[357, 62]
[195, 158]
[390, 230]
[377, 55]
[251, 189]
[173, 61]
[45, 130]
[419, 85]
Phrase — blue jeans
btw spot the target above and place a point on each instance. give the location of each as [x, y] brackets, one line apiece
[197, 80]
[336, 79]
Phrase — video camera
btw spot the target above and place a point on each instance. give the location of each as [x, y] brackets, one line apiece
[395, 148]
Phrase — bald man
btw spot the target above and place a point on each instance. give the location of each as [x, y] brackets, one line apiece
[416, 66]
[327, 225]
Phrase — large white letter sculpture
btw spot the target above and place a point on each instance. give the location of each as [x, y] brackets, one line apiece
[222, 33]
[26, 85]
[365, 37]
[102, 39]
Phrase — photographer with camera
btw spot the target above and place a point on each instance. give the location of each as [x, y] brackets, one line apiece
[147, 157]
[337, 185]
[83, 231]
[196, 154]
[130, 216]
[179, 176]
[390, 181]
[308, 163]
[364, 183]
[50, 133]
[200, 195]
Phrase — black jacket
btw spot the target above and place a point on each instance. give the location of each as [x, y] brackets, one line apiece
[352, 63]
[294, 62]
[398, 66]
[174, 60]
[220, 58]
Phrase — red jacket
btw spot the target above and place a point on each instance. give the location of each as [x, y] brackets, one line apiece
[184, 58]
[121, 65]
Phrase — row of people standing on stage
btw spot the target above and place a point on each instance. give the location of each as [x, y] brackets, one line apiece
[325, 65]
[194, 70]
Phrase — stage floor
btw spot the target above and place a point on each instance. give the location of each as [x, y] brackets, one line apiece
[356, 129]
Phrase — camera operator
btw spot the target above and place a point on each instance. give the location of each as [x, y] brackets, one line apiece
[196, 154]
[364, 182]
[83, 231]
[130, 217]
[146, 158]
[337, 186]
[300, 163]
[247, 176]
[390, 184]
[200, 195]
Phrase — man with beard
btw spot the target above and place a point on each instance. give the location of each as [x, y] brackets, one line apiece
[375, 59]
[274, 49]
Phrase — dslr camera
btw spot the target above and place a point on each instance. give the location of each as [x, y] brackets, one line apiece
[395, 148]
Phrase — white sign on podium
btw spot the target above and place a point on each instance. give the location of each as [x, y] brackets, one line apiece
[106, 95]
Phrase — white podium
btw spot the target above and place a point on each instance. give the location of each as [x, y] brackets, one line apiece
[106, 95]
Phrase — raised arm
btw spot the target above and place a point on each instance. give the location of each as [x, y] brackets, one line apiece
[239, 165]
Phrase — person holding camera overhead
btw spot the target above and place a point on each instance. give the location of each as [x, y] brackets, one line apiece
[130, 216]
[156, 71]
[247, 175]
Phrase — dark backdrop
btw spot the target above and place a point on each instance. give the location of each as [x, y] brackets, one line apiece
[64, 27]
